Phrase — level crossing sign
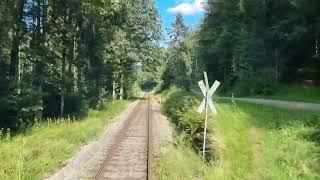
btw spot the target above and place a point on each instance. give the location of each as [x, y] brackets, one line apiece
[210, 92]
[207, 102]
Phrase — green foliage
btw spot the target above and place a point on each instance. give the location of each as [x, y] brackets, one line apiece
[294, 93]
[180, 107]
[238, 41]
[44, 147]
[181, 65]
[178, 30]
[150, 76]
[177, 102]
[8, 112]
[76, 105]
[261, 84]
[60, 57]
[20, 110]
[249, 142]
[179, 161]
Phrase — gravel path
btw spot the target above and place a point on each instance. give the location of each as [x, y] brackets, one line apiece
[161, 131]
[281, 104]
[122, 150]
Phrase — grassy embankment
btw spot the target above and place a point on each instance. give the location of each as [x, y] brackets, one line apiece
[295, 93]
[46, 146]
[250, 142]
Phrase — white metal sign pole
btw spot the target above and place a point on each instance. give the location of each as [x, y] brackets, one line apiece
[206, 118]
[205, 129]
[205, 104]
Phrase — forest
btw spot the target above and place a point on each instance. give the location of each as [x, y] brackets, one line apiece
[60, 58]
[250, 46]
[264, 49]
[68, 68]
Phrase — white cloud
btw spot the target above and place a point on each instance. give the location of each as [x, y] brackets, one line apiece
[183, 1]
[188, 8]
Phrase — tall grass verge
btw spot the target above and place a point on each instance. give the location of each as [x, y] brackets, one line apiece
[44, 147]
[295, 93]
[249, 142]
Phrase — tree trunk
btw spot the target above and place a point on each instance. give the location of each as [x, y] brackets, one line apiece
[234, 66]
[121, 87]
[225, 78]
[70, 75]
[79, 79]
[276, 56]
[37, 44]
[63, 64]
[17, 35]
[73, 67]
[14, 63]
[317, 45]
[63, 79]
[114, 88]
[19, 77]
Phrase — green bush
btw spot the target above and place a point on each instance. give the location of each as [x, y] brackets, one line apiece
[259, 83]
[75, 105]
[180, 107]
[8, 113]
[19, 110]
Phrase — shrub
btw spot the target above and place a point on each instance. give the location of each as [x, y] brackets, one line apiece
[180, 107]
[19, 110]
[260, 83]
[8, 113]
[75, 105]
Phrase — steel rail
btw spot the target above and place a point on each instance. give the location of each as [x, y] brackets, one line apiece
[120, 137]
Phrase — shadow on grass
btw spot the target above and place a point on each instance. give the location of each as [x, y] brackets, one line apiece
[271, 118]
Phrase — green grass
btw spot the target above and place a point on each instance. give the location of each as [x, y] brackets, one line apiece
[295, 93]
[250, 142]
[47, 145]
[179, 161]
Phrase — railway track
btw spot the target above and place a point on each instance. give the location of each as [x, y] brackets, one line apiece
[128, 156]
[126, 148]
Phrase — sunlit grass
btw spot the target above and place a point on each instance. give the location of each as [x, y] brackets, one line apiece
[295, 93]
[250, 142]
[46, 146]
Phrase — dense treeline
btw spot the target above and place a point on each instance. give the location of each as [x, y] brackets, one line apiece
[253, 44]
[180, 56]
[60, 57]
[248, 45]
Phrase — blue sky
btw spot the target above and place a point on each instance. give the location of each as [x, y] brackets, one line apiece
[191, 10]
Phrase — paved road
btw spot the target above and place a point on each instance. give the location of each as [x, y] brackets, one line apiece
[122, 151]
[281, 104]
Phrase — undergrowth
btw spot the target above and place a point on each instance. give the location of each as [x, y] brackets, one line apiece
[295, 93]
[180, 107]
[249, 142]
[44, 147]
